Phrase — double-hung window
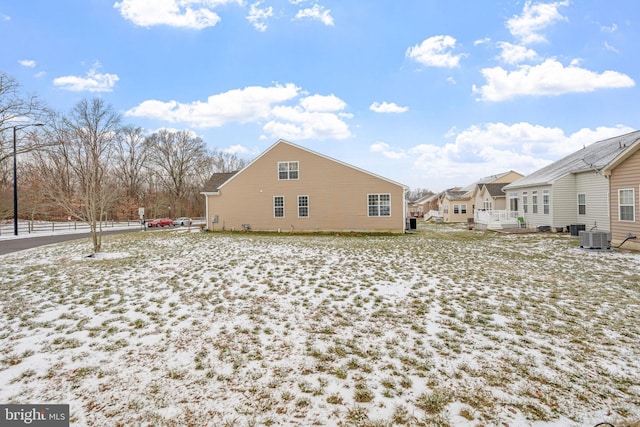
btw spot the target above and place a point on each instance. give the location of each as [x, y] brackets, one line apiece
[626, 204]
[303, 206]
[278, 206]
[534, 201]
[525, 201]
[379, 204]
[288, 170]
[582, 204]
[463, 209]
[456, 209]
[545, 202]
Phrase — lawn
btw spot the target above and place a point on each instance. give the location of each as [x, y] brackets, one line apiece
[443, 327]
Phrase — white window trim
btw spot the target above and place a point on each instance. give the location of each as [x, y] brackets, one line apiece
[368, 205]
[585, 203]
[633, 204]
[546, 206]
[274, 207]
[288, 178]
[308, 212]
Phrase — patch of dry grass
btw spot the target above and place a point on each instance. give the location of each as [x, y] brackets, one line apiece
[443, 327]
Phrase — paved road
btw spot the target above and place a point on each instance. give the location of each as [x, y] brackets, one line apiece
[14, 245]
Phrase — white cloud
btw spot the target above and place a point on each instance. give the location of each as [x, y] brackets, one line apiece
[318, 13]
[321, 103]
[236, 149]
[435, 52]
[535, 17]
[30, 63]
[259, 16]
[516, 54]
[482, 41]
[492, 148]
[610, 48]
[548, 78]
[297, 123]
[238, 105]
[387, 107]
[92, 82]
[386, 150]
[194, 14]
[312, 117]
[612, 29]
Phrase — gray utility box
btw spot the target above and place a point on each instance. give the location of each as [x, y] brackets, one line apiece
[574, 229]
[595, 239]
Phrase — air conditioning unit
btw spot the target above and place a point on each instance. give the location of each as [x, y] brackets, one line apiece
[595, 239]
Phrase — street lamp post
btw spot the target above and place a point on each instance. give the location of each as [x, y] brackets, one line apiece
[15, 176]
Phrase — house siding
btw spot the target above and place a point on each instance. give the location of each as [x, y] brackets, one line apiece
[563, 196]
[625, 175]
[596, 188]
[449, 214]
[535, 220]
[337, 196]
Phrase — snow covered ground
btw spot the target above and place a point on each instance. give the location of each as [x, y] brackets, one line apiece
[441, 327]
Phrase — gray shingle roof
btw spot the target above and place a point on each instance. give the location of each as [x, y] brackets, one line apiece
[495, 190]
[216, 180]
[455, 194]
[592, 157]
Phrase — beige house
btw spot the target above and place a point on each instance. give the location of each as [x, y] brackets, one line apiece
[420, 207]
[291, 188]
[459, 204]
[487, 193]
[455, 205]
[624, 196]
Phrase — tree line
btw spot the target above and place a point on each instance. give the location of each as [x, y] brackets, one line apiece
[87, 165]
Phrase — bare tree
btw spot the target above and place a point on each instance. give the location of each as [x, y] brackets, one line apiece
[130, 162]
[17, 107]
[78, 169]
[175, 158]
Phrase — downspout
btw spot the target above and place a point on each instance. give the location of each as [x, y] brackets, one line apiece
[404, 208]
[206, 211]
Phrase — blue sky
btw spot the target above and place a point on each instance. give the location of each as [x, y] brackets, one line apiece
[429, 93]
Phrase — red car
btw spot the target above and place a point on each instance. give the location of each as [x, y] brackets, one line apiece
[160, 222]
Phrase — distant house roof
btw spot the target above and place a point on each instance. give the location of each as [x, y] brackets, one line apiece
[425, 199]
[487, 180]
[455, 193]
[495, 190]
[216, 180]
[595, 156]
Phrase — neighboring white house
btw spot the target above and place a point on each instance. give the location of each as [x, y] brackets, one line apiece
[572, 190]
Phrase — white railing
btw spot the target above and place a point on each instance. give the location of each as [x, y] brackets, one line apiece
[496, 219]
[432, 214]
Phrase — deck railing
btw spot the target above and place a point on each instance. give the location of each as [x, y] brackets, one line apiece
[496, 218]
